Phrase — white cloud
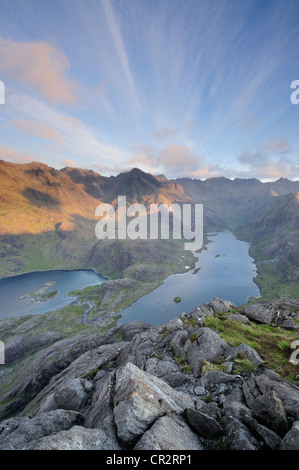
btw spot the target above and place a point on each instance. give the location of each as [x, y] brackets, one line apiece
[41, 67]
[77, 139]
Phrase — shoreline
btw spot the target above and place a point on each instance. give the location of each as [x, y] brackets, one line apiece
[53, 270]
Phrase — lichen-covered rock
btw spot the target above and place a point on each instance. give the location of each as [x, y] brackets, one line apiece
[73, 394]
[291, 439]
[133, 388]
[248, 351]
[140, 398]
[208, 346]
[220, 305]
[257, 313]
[45, 424]
[268, 410]
[76, 438]
[169, 433]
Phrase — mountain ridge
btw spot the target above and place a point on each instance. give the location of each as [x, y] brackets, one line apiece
[48, 217]
[202, 381]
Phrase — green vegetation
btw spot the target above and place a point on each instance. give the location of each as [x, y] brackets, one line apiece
[177, 300]
[208, 366]
[48, 295]
[272, 343]
[276, 279]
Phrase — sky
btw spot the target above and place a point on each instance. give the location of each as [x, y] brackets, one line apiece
[196, 88]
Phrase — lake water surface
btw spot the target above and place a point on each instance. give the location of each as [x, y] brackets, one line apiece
[226, 271]
[12, 288]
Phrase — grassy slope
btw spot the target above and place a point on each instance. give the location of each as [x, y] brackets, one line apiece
[272, 343]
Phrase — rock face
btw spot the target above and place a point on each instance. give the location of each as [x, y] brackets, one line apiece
[208, 346]
[141, 398]
[138, 387]
[179, 436]
[257, 313]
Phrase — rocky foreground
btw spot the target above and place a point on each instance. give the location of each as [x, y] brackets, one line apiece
[175, 387]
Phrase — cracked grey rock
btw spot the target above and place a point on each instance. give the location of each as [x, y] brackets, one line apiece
[169, 434]
[141, 398]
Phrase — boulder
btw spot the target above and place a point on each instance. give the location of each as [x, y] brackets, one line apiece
[9, 425]
[216, 377]
[180, 342]
[169, 433]
[248, 351]
[129, 330]
[289, 324]
[167, 369]
[76, 438]
[209, 346]
[174, 324]
[141, 398]
[204, 425]
[269, 381]
[219, 305]
[291, 439]
[240, 318]
[270, 438]
[237, 435]
[43, 425]
[269, 411]
[257, 313]
[139, 349]
[73, 394]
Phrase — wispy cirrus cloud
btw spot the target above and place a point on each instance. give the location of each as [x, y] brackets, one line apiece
[121, 54]
[145, 70]
[72, 137]
[37, 129]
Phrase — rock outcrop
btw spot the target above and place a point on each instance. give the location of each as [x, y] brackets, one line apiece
[174, 387]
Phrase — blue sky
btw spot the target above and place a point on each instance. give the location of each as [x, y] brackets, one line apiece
[197, 88]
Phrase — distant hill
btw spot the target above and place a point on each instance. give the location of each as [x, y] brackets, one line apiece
[274, 235]
[47, 218]
[236, 201]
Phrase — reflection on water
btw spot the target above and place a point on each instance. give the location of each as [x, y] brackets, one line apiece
[224, 270]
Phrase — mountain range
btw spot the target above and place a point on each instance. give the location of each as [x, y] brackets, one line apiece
[48, 220]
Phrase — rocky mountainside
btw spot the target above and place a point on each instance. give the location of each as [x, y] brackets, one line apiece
[136, 185]
[274, 235]
[202, 381]
[236, 201]
[48, 222]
